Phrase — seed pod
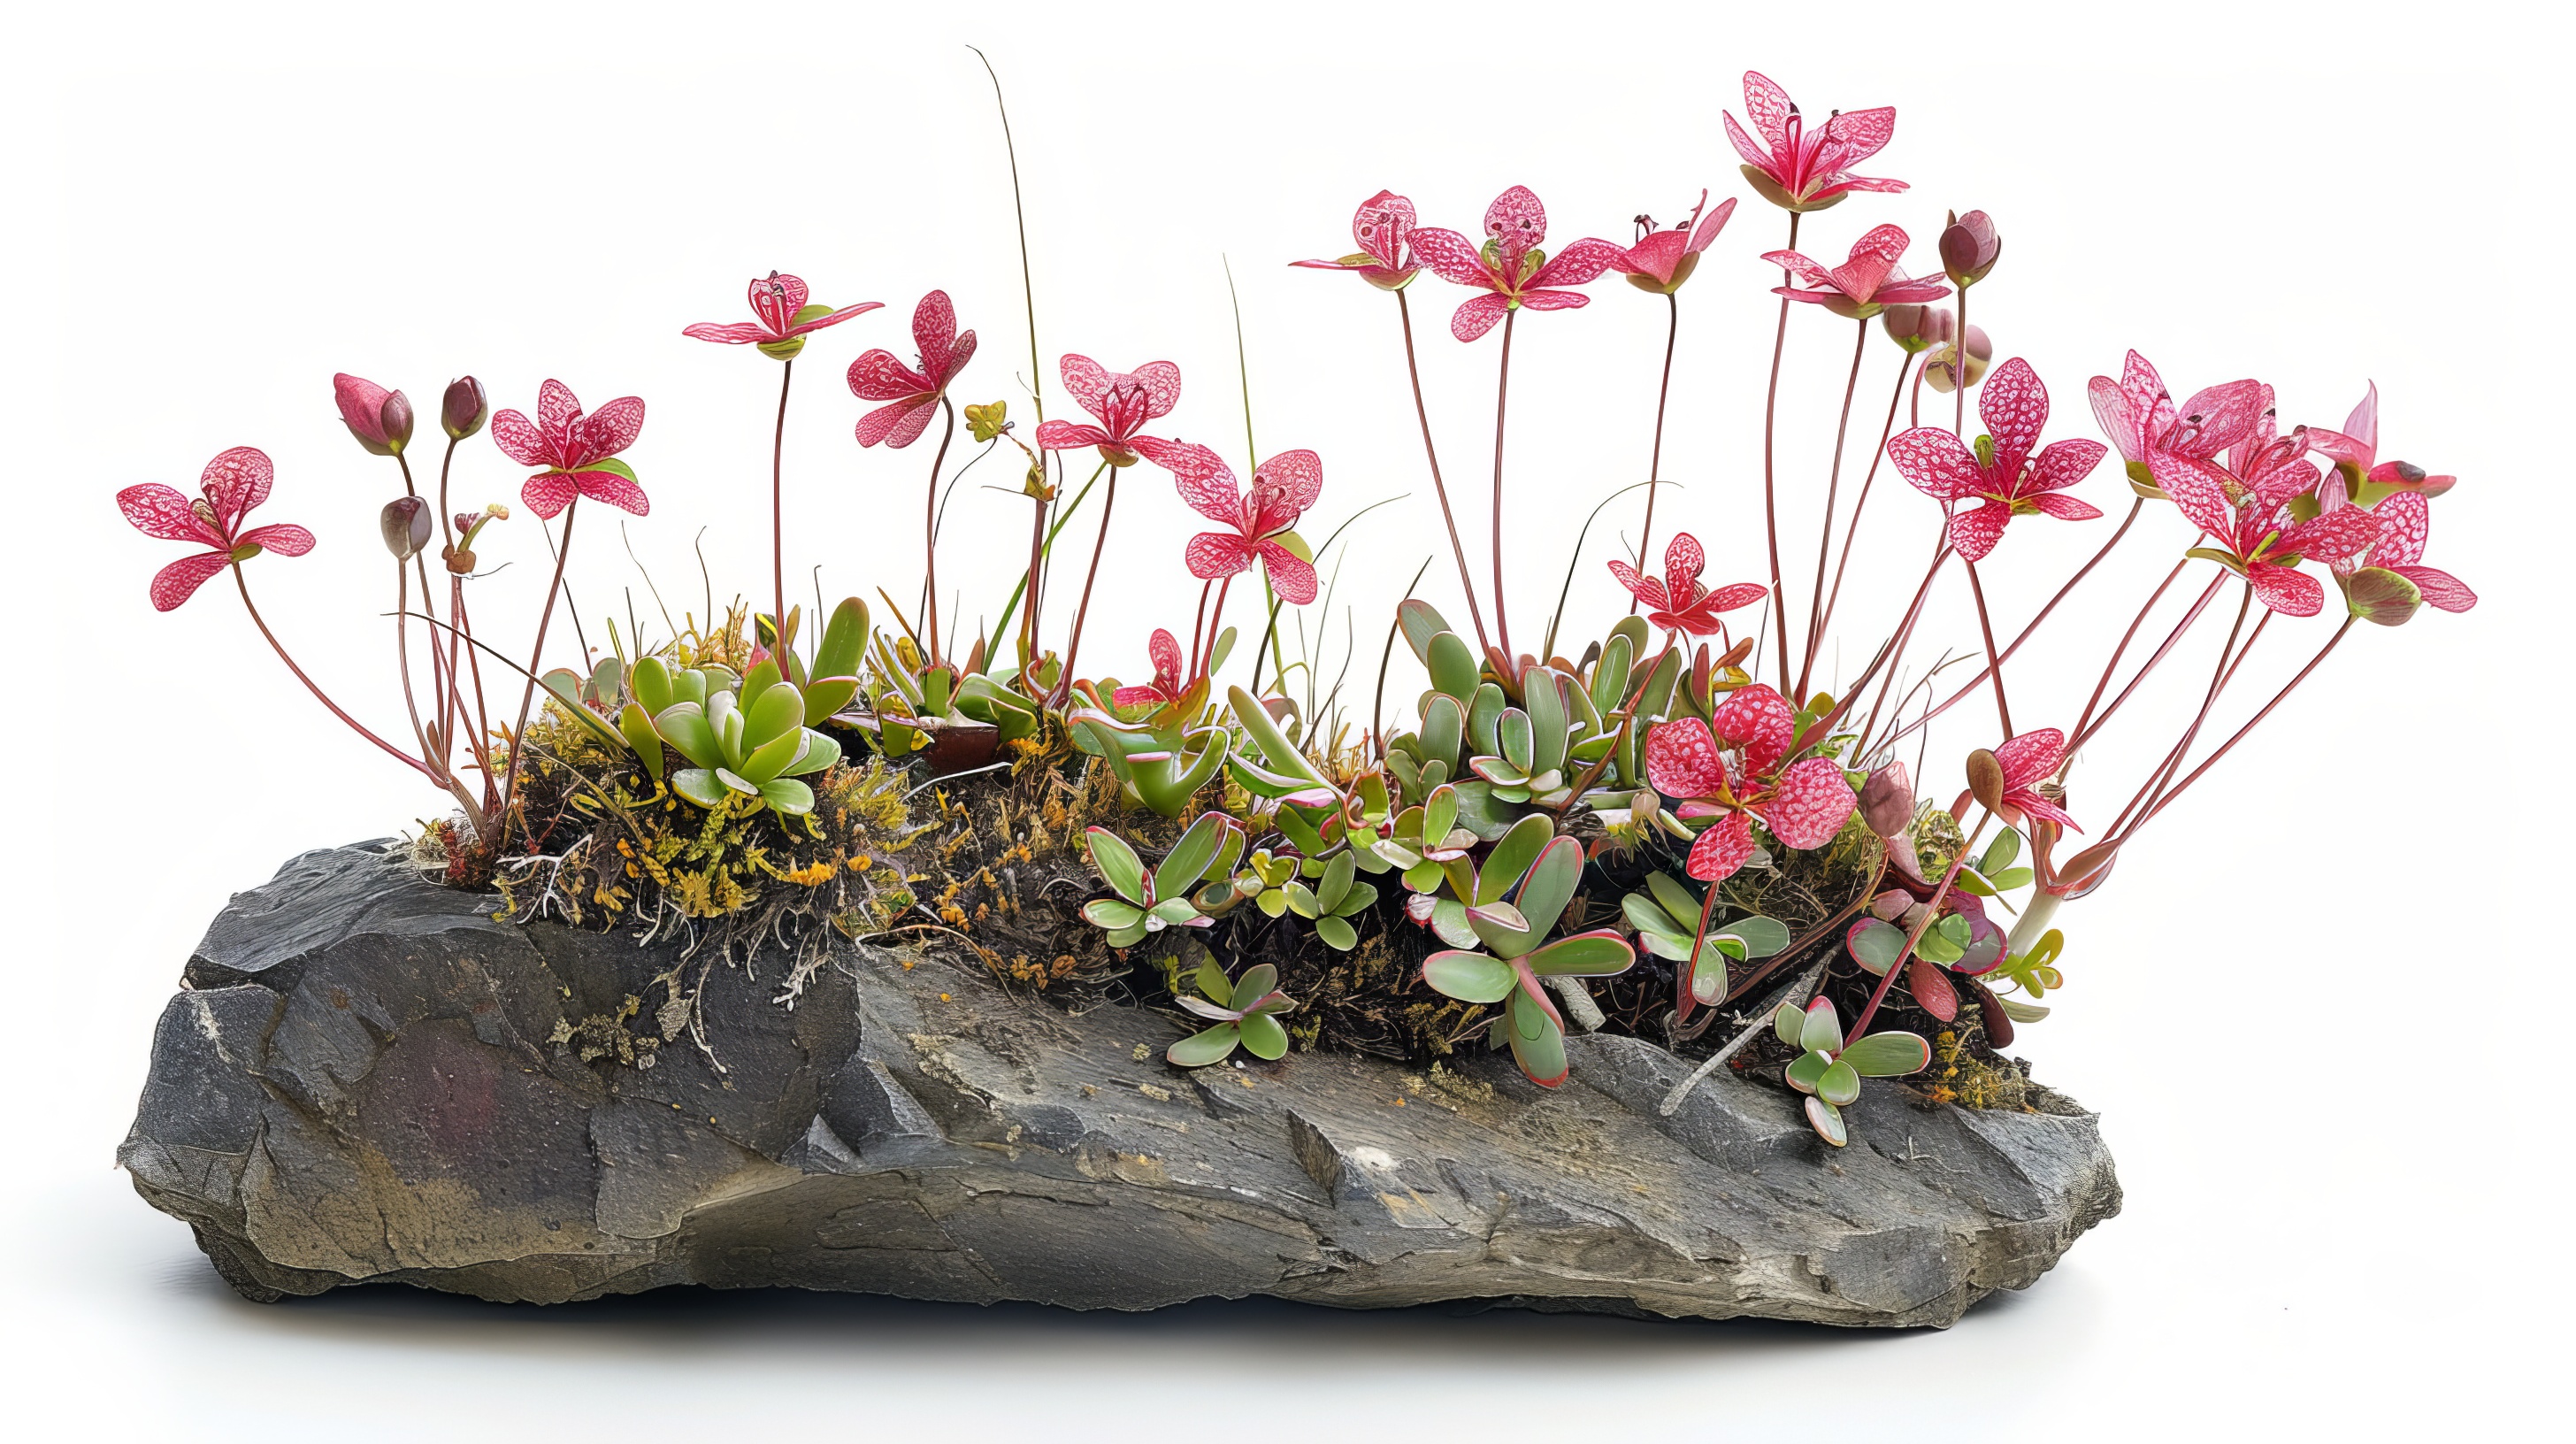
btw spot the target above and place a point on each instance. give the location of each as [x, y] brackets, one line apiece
[464, 409]
[406, 524]
[1916, 328]
[394, 418]
[1986, 780]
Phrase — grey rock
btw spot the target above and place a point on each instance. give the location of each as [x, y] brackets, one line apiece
[361, 1083]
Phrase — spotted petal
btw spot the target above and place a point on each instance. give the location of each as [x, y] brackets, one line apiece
[1086, 381]
[1300, 472]
[1518, 222]
[235, 481]
[1451, 256]
[2405, 523]
[1683, 761]
[284, 538]
[1069, 436]
[614, 488]
[731, 333]
[557, 407]
[1975, 532]
[898, 424]
[2287, 590]
[1216, 554]
[2065, 463]
[2031, 756]
[179, 580]
[548, 492]
[881, 376]
[612, 428]
[1290, 575]
[1162, 387]
[1646, 590]
[1722, 850]
[520, 440]
[1769, 107]
[1478, 315]
[1758, 720]
[1936, 463]
[1809, 804]
[1582, 261]
[2440, 588]
[162, 511]
[2015, 407]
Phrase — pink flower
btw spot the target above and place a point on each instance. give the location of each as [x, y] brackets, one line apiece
[2259, 536]
[2404, 522]
[1662, 260]
[2028, 761]
[779, 302]
[1509, 266]
[233, 483]
[2001, 471]
[380, 419]
[878, 376]
[1803, 805]
[1166, 687]
[1862, 286]
[1679, 602]
[1282, 488]
[1803, 170]
[574, 449]
[1382, 226]
[2140, 417]
[1121, 401]
[2355, 453]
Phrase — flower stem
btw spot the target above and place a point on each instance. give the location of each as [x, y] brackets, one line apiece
[1082, 613]
[2277, 698]
[1502, 397]
[1842, 564]
[2218, 680]
[1833, 487]
[777, 522]
[1770, 486]
[536, 658]
[2089, 723]
[1655, 459]
[319, 695]
[1994, 659]
[1931, 910]
[1421, 413]
[930, 530]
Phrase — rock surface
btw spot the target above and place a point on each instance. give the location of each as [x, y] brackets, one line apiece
[362, 1081]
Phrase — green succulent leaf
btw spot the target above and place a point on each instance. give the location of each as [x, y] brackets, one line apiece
[1264, 1038]
[651, 685]
[1876, 944]
[1199, 1050]
[788, 795]
[1538, 1044]
[1110, 912]
[1189, 859]
[1337, 932]
[1822, 1031]
[1888, 1055]
[1789, 1023]
[1469, 977]
[1807, 1071]
[1839, 1084]
[637, 726]
[1118, 863]
[1762, 937]
[1512, 857]
[1453, 667]
[699, 785]
[1590, 955]
[1827, 1120]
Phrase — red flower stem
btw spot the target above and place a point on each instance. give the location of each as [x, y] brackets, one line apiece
[1953, 699]
[2173, 759]
[1421, 413]
[1811, 937]
[777, 526]
[1655, 460]
[1959, 373]
[1627, 722]
[1994, 659]
[1216, 623]
[451, 702]
[440, 682]
[1825, 542]
[319, 695]
[1502, 397]
[1842, 564]
[2217, 680]
[2223, 748]
[2097, 723]
[1030, 585]
[1198, 625]
[402, 661]
[1896, 648]
[1931, 911]
[461, 633]
[536, 659]
[1082, 613]
[1770, 488]
[930, 527]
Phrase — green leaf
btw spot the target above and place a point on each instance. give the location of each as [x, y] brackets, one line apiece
[1809, 1068]
[1544, 706]
[1337, 933]
[1109, 912]
[1827, 1120]
[1484, 715]
[737, 782]
[2000, 854]
[825, 696]
[845, 636]
[1118, 863]
[1610, 675]
[788, 796]
[1421, 622]
[1589, 955]
[1172, 911]
[1552, 881]
[772, 757]
[637, 726]
[820, 751]
[651, 684]
[1822, 1032]
[1876, 944]
[1301, 900]
[699, 785]
[1538, 1045]
[1469, 977]
[1789, 1022]
[1888, 1055]
[1336, 886]
[1257, 981]
[1280, 754]
[1675, 899]
[1512, 857]
[1263, 1038]
[2379, 595]
[1762, 937]
[1212, 983]
[1444, 730]
[1187, 862]
[1453, 667]
[1839, 1085]
[2011, 878]
[1201, 1049]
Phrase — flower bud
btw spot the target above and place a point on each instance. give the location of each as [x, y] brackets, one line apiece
[406, 524]
[1970, 248]
[1887, 801]
[394, 419]
[1986, 780]
[1980, 351]
[1916, 328]
[464, 409]
[364, 409]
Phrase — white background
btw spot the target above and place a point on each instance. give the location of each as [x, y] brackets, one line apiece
[2312, 1009]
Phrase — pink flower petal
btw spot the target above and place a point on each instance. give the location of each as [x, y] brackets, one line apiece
[1301, 472]
[2405, 523]
[934, 326]
[877, 425]
[284, 538]
[1864, 133]
[1290, 575]
[1769, 107]
[612, 428]
[1165, 649]
[1215, 554]
[1758, 720]
[2065, 508]
[1086, 381]
[1451, 256]
[1477, 315]
[235, 481]
[557, 407]
[1684, 560]
[2065, 463]
[908, 426]
[609, 487]
[1069, 436]
[834, 318]
[1582, 261]
[2196, 490]
[361, 405]
[960, 351]
[547, 493]
[1683, 761]
[2286, 590]
[179, 580]
[1646, 590]
[164, 512]
[1975, 532]
[1553, 300]
[2440, 588]
[1936, 463]
[731, 333]
[2031, 756]
[1721, 851]
[1808, 805]
[2015, 407]
[1162, 387]
[1735, 595]
[520, 440]
[1518, 221]
[879, 376]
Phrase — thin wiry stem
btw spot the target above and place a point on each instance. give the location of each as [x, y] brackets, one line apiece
[2223, 748]
[777, 509]
[1833, 488]
[1466, 580]
[2091, 723]
[1502, 397]
[536, 659]
[1860, 1025]
[319, 695]
[1994, 659]
[1082, 613]
[2217, 681]
[1020, 213]
[1655, 460]
[930, 532]
[1842, 564]
[1770, 485]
